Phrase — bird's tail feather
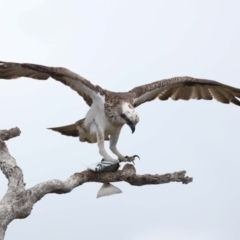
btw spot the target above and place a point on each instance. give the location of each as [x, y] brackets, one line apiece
[108, 189]
[69, 130]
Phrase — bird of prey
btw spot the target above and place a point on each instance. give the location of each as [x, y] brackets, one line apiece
[109, 111]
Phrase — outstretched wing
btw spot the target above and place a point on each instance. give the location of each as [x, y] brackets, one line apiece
[185, 88]
[84, 88]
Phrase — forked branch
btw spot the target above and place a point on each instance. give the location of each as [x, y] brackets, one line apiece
[18, 201]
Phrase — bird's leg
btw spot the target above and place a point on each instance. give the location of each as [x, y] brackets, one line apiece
[100, 142]
[113, 147]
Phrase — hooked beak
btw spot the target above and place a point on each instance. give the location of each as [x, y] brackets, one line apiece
[132, 126]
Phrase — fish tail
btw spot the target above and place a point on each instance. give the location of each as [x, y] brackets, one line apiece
[108, 189]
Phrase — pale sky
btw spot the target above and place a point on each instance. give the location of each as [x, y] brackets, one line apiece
[119, 45]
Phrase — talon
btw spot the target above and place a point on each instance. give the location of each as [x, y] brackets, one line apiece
[136, 156]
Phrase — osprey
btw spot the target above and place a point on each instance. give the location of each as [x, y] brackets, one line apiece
[109, 111]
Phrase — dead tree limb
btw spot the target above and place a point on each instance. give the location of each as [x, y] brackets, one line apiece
[18, 202]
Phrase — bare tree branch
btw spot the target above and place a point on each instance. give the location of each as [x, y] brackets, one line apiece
[10, 205]
[11, 133]
[7, 163]
[127, 174]
[18, 202]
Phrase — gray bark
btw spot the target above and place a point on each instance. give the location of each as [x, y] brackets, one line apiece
[18, 202]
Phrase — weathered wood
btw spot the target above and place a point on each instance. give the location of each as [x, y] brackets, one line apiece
[18, 202]
[8, 134]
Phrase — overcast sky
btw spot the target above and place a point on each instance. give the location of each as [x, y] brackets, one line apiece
[119, 45]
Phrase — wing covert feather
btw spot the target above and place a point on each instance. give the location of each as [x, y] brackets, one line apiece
[81, 85]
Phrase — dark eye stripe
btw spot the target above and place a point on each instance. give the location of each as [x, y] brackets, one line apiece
[123, 116]
[126, 119]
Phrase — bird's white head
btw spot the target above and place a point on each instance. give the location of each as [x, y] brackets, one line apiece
[129, 115]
